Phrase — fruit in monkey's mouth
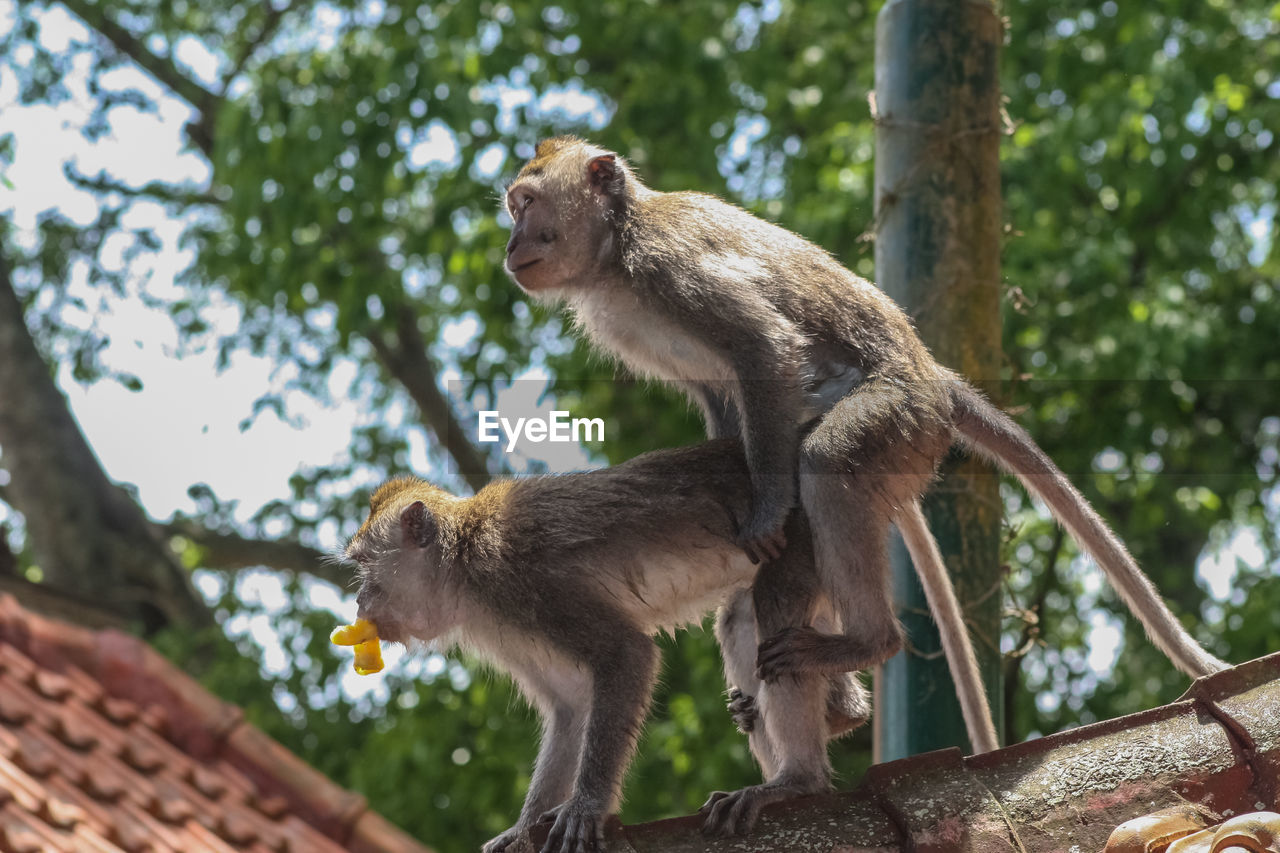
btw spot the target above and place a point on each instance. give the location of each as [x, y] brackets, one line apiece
[362, 634]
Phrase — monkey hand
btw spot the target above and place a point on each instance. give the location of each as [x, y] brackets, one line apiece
[743, 711]
[762, 536]
[575, 828]
[362, 634]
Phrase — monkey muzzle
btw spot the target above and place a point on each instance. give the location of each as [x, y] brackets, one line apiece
[527, 249]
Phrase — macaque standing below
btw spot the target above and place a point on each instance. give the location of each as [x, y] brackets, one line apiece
[562, 581]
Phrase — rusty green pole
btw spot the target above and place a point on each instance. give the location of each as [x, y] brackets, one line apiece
[938, 221]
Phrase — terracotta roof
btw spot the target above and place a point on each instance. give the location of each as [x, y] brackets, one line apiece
[1213, 754]
[105, 746]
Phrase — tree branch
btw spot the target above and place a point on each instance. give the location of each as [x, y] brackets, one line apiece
[61, 604]
[8, 559]
[408, 362]
[406, 358]
[161, 192]
[163, 70]
[231, 552]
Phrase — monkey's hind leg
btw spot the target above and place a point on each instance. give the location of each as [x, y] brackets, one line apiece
[854, 568]
[848, 702]
[792, 713]
[874, 452]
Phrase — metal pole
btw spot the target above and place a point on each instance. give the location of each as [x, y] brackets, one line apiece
[938, 222]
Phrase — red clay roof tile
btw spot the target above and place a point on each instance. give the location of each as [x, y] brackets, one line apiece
[106, 747]
[22, 833]
[102, 781]
[119, 711]
[25, 791]
[13, 712]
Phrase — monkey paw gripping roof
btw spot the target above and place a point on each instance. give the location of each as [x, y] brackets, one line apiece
[105, 746]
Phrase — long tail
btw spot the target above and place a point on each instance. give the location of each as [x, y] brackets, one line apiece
[994, 435]
[941, 596]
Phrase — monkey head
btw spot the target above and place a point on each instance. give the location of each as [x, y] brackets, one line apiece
[566, 205]
[397, 555]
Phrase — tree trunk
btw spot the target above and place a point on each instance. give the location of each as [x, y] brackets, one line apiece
[88, 535]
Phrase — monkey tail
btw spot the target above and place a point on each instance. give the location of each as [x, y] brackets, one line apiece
[993, 434]
[941, 596]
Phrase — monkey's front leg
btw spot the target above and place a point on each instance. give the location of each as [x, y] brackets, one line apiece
[623, 668]
[553, 770]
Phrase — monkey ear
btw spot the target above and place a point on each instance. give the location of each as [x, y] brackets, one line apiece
[604, 174]
[418, 525]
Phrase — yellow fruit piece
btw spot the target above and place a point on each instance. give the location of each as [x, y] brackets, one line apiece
[360, 631]
[368, 657]
[362, 634]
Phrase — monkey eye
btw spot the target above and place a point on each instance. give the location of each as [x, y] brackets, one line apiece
[520, 202]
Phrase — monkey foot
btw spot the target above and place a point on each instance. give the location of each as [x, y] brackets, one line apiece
[575, 828]
[514, 840]
[735, 812]
[743, 710]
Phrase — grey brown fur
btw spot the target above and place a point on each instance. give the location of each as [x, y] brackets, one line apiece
[562, 581]
[841, 407]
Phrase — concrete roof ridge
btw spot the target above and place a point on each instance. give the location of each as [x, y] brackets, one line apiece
[1215, 751]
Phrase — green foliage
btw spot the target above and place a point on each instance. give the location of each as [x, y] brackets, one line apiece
[356, 156]
[1145, 307]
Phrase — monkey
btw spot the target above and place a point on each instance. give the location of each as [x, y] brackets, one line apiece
[563, 580]
[842, 410]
